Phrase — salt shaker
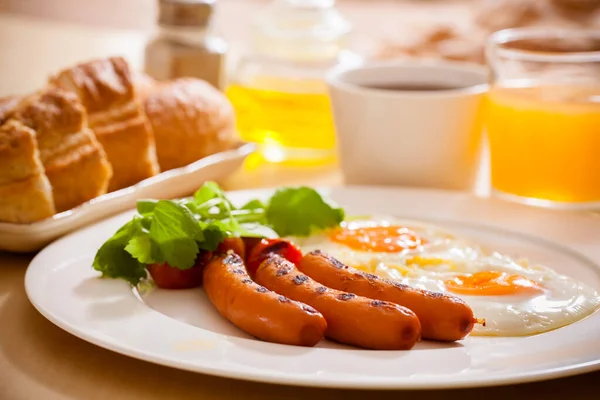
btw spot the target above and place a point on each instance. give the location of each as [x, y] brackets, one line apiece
[186, 44]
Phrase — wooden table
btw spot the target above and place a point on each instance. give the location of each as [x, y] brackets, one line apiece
[40, 361]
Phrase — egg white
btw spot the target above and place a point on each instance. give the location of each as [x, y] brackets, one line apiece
[562, 302]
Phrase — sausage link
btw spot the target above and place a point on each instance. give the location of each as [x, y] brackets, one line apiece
[351, 319]
[257, 310]
[234, 244]
[443, 317]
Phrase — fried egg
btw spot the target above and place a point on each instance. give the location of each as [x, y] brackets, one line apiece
[514, 298]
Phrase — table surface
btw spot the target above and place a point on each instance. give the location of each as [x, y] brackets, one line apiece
[40, 361]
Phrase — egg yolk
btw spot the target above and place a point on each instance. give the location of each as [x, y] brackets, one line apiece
[386, 239]
[492, 283]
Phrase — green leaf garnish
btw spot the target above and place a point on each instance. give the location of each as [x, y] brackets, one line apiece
[175, 231]
[301, 211]
[114, 261]
[146, 206]
[140, 248]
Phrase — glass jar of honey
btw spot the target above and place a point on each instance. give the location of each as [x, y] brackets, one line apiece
[278, 89]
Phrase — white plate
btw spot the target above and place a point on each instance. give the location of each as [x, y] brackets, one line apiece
[169, 184]
[181, 329]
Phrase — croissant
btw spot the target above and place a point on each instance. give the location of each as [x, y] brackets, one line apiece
[92, 130]
[73, 160]
[105, 87]
[7, 106]
[25, 192]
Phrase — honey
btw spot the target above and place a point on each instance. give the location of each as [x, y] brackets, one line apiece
[278, 88]
[285, 121]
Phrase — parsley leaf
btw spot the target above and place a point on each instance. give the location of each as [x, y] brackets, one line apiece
[300, 211]
[175, 231]
[213, 236]
[253, 205]
[208, 191]
[146, 206]
[140, 248]
[114, 261]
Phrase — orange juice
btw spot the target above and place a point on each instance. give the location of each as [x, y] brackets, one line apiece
[545, 142]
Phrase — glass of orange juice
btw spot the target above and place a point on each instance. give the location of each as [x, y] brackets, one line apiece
[543, 117]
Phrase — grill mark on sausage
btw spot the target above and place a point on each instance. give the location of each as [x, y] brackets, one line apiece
[372, 277]
[276, 259]
[283, 299]
[247, 281]
[321, 289]
[315, 252]
[283, 271]
[378, 303]
[337, 263]
[309, 309]
[262, 289]
[232, 259]
[346, 296]
[435, 295]
[400, 285]
[238, 271]
[300, 279]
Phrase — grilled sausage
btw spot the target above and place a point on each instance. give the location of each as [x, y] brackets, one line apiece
[351, 319]
[234, 244]
[443, 317]
[257, 310]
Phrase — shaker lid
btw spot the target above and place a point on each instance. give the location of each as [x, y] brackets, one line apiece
[185, 12]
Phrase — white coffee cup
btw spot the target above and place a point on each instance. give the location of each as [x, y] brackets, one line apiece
[426, 138]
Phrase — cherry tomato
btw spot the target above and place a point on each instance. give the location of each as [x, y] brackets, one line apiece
[266, 247]
[250, 243]
[167, 277]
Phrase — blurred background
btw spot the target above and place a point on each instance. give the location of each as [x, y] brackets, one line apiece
[269, 57]
[65, 32]
[68, 32]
